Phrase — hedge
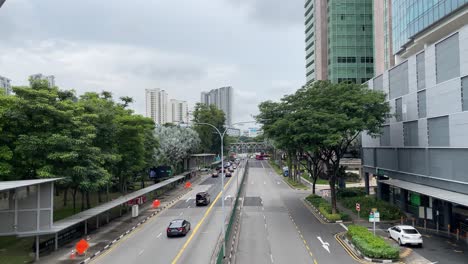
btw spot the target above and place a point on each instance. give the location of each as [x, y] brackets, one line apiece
[387, 211]
[350, 192]
[371, 246]
[325, 208]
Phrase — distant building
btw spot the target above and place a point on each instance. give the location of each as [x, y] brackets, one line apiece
[178, 112]
[157, 105]
[49, 78]
[5, 84]
[338, 40]
[222, 99]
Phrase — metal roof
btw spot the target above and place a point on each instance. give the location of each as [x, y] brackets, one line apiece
[7, 185]
[203, 155]
[93, 212]
[454, 197]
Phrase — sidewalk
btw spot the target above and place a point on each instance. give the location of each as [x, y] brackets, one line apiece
[116, 229]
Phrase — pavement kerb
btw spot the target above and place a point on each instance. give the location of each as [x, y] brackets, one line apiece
[157, 211]
[356, 253]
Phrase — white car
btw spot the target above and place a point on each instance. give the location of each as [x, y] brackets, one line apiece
[405, 234]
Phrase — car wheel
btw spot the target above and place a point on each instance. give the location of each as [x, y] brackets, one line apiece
[399, 242]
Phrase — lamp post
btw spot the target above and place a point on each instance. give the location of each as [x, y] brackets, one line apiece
[221, 135]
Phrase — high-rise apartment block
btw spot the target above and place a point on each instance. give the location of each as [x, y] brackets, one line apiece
[5, 85]
[339, 40]
[157, 105]
[49, 78]
[222, 99]
[178, 112]
[420, 157]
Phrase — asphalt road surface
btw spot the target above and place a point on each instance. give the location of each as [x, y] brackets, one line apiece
[149, 243]
[276, 226]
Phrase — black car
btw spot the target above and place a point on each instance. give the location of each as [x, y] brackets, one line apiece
[178, 227]
[214, 174]
[231, 169]
[202, 198]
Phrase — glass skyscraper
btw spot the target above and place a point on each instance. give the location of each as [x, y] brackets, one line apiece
[339, 40]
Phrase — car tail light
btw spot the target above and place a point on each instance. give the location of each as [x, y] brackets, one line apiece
[168, 229]
[180, 228]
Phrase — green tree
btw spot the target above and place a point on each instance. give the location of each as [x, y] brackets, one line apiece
[210, 141]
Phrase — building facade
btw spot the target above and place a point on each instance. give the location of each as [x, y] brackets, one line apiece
[157, 105]
[222, 99]
[39, 76]
[5, 85]
[420, 157]
[178, 112]
[339, 40]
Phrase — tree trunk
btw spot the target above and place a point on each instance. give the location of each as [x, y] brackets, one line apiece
[107, 192]
[65, 197]
[335, 167]
[142, 181]
[88, 200]
[74, 199]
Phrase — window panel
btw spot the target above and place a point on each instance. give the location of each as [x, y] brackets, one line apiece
[420, 71]
[422, 112]
[378, 83]
[464, 93]
[410, 133]
[385, 136]
[447, 59]
[438, 131]
[399, 80]
[399, 110]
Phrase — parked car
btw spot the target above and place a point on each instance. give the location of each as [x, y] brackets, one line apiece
[231, 169]
[202, 198]
[214, 174]
[178, 227]
[234, 167]
[228, 173]
[405, 234]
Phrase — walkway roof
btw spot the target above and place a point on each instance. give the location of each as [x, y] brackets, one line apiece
[7, 185]
[454, 197]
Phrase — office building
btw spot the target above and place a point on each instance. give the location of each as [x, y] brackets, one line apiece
[157, 105]
[49, 78]
[222, 99]
[420, 158]
[178, 112]
[396, 22]
[5, 85]
[339, 40]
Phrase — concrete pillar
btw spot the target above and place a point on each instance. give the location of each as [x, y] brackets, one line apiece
[366, 182]
[86, 227]
[447, 214]
[37, 248]
[403, 200]
[379, 188]
[97, 221]
[56, 241]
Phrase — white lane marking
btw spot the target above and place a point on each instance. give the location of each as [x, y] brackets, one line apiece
[271, 257]
[188, 206]
[160, 234]
[265, 225]
[262, 165]
[325, 245]
[341, 224]
[264, 182]
[181, 213]
[264, 217]
[141, 252]
[278, 182]
[252, 182]
[225, 198]
[188, 199]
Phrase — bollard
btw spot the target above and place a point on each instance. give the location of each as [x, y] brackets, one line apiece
[458, 234]
[425, 226]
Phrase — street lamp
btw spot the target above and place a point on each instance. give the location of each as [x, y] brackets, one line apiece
[221, 135]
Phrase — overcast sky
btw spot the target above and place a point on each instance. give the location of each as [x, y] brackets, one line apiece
[181, 46]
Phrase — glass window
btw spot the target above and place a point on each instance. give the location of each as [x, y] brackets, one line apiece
[464, 93]
[422, 104]
[438, 131]
[399, 110]
[420, 71]
[410, 133]
[447, 59]
[398, 80]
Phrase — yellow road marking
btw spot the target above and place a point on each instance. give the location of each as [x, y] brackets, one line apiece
[195, 230]
[315, 261]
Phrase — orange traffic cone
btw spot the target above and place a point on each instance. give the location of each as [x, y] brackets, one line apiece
[73, 254]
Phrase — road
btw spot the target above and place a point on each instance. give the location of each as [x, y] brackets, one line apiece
[149, 244]
[276, 227]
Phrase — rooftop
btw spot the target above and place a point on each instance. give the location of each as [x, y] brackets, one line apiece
[8, 185]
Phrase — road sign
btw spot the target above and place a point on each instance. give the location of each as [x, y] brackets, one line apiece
[358, 207]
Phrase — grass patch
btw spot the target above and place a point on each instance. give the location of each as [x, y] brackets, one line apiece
[387, 210]
[15, 250]
[370, 245]
[325, 208]
[295, 184]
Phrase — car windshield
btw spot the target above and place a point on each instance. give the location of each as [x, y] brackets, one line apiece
[410, 231]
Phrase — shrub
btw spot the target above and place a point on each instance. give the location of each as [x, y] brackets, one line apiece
[352, 177]
[370, 245]
[387, 211]
[324, 207]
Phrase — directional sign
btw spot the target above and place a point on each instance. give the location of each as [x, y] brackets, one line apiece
[325, 245]
[358, 207]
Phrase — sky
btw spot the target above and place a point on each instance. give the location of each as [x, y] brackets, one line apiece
[182, 46]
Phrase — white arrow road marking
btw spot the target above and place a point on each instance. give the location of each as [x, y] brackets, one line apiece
[159, 235]
[325, 245]
[188, 199]
[341, 224]
[225, 198]
[251, 182]
[278, 182]
[141, 252]
[181, 213]
[264, 182]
